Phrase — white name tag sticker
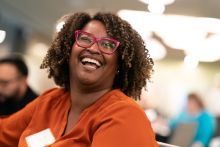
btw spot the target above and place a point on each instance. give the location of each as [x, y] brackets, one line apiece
[40, 139]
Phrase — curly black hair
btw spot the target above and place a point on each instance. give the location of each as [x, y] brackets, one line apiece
[134, 63]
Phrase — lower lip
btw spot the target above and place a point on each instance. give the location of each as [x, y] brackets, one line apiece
[88, 67]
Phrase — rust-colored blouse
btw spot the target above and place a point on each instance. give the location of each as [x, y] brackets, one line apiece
[115, 120]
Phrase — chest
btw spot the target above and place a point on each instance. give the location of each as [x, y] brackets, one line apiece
[72, 119]
[67, 128]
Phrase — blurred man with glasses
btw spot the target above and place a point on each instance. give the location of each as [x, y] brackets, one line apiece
[14, 90]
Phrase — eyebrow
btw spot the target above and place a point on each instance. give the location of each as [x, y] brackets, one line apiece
[94, 35]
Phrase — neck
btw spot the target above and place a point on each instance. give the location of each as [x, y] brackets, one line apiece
[81, 99]
[195, 112]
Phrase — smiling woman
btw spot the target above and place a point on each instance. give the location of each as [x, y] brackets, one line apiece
[101, 65]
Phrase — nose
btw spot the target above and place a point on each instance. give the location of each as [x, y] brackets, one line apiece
[94, 48]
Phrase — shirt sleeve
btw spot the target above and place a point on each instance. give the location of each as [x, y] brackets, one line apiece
[123, 125]
[11, 127]
[206, 127]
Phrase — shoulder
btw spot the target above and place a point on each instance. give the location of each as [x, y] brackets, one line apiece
[206, 116]
[53, 94]
[118, 104]
[119, 116]
[118, 98]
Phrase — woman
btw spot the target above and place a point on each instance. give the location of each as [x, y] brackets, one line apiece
[195, 112]
[99, 62]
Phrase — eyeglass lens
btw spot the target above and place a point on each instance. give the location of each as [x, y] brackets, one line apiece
[105, 44]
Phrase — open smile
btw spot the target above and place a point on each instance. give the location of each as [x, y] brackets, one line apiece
[90, 63]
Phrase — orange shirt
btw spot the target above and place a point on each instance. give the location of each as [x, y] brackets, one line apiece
[115, 120]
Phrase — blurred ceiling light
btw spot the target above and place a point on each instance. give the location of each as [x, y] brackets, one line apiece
[210, 24]
[156, 50]
[59, 26]
[2, 35]
[164, 2]
[191, 34]
[208, 50]
[194, 35]
[156, 8]
[191, 62]
[142, 21]
[180, 32]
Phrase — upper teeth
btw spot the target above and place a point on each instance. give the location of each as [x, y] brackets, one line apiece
[91, 61]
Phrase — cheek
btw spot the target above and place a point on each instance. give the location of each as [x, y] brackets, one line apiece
[74, 45]
[113, 62]
[75, 49]
[10, 89]
[115, 59]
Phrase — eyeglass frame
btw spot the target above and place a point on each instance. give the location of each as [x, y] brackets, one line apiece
[95, 40]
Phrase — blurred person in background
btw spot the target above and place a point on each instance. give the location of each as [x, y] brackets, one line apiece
[101, 65]
[14, 90]
[196, 113]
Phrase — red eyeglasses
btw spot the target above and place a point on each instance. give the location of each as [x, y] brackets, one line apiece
[106, 45]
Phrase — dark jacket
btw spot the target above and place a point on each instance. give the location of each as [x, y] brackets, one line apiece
[10, 106]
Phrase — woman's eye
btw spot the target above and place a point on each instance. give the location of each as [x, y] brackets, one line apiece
[85, 39]
[108, 45]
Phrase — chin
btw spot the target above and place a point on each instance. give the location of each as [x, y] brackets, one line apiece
[85, 80]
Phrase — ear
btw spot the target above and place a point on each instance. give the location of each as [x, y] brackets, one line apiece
[24, 79]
